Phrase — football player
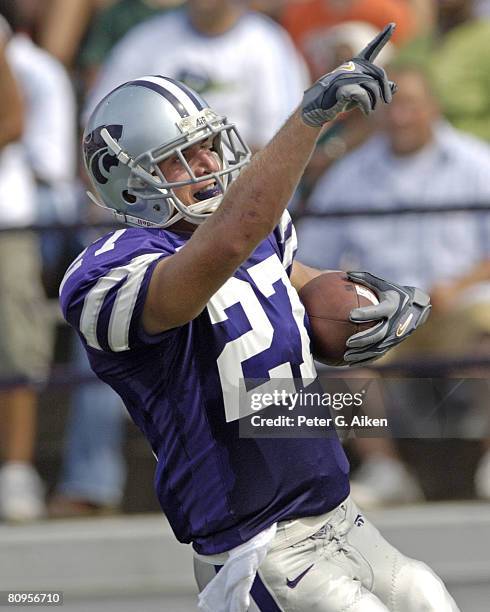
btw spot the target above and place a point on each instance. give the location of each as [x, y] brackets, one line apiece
[200, 292]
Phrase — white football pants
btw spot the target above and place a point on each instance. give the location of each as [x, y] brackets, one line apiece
[338, 562]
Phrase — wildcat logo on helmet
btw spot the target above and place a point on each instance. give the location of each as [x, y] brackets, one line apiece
[97, 153]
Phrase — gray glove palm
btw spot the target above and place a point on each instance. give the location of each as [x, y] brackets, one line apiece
[400, 311]
[356, 83]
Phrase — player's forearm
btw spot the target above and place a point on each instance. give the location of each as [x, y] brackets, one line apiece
[250, 210]
[254, 203]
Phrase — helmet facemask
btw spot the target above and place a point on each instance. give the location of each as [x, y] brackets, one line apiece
[148, 185]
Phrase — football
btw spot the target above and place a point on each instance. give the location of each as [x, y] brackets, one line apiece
[328, 300]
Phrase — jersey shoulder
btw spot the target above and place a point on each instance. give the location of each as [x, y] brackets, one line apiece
[103, 290]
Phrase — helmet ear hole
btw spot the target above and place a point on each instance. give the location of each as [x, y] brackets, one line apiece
[129, 197]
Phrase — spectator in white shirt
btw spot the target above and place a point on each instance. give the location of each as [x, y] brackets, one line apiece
[416, 160]
[24, 346]
[49, 136]
[242, 62]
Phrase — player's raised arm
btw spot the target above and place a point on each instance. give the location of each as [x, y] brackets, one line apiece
[254, 202]
[158, 156]
[250, 210]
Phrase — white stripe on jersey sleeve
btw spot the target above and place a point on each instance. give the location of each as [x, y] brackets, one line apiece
[93, 303]
[72, 268]
[291, 244]
[125, 302]
[110, 243]
[122, 309]
[290, 248]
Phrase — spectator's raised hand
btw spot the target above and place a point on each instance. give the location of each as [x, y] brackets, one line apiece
[356, 83]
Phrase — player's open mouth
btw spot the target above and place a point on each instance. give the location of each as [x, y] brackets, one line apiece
[210, 191]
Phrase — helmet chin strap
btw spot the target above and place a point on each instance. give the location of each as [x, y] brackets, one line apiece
[200, 211]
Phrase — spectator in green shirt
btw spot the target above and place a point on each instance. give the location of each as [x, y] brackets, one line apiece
[457, 55]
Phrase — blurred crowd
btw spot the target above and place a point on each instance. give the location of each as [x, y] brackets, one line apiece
[251, 59]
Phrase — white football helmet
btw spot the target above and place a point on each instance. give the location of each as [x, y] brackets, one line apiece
[136, 127]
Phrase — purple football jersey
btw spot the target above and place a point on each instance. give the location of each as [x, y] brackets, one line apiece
[180, 387]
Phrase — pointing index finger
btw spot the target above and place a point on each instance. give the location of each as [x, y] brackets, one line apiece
[371, 51]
